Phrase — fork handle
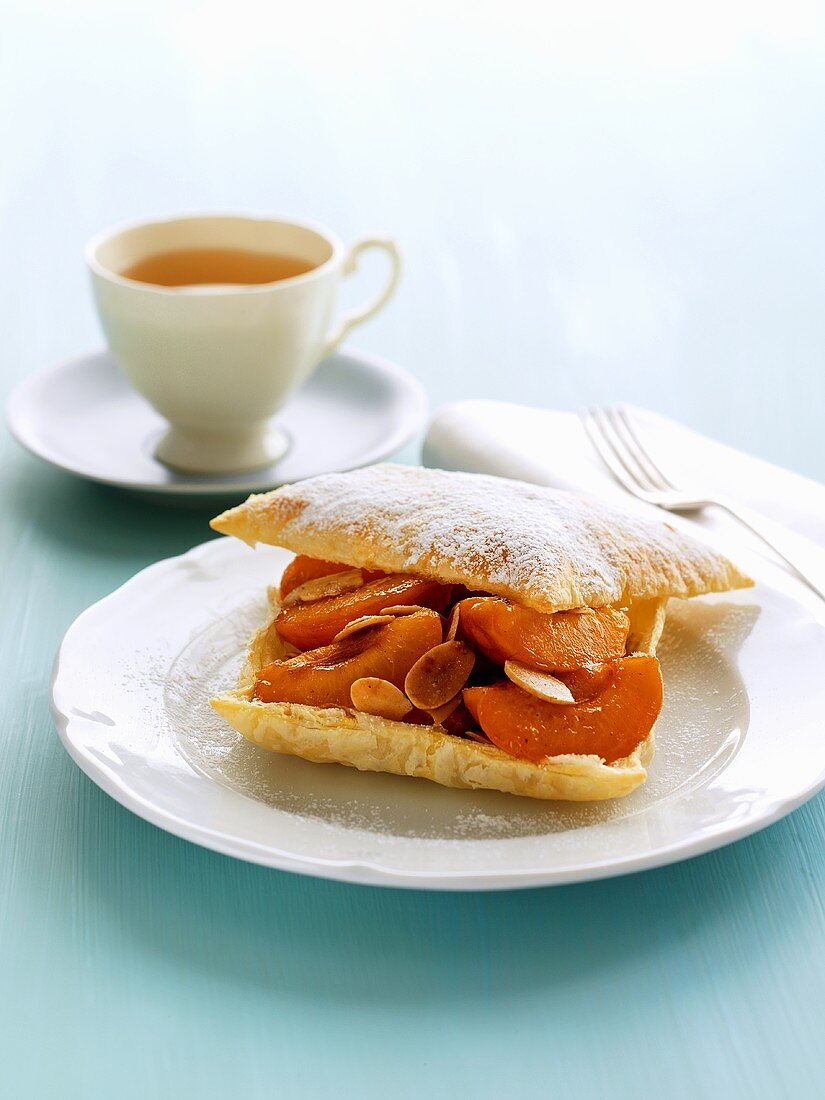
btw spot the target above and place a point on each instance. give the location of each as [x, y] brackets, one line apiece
[803, 555]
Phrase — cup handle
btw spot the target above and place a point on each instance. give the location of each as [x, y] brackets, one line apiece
[355, 316]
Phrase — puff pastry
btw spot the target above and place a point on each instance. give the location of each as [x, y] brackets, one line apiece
[545, 549]
[541, 549]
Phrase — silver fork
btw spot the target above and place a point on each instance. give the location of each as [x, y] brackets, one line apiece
[616, 440]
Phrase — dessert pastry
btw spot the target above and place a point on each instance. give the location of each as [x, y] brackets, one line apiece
[470, 630]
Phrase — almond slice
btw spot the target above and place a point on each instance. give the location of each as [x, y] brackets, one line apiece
[444, 711]
[541, 684]
[452, 623]
[322, 587]
[403, 609]
[362, 623]
[439, 675]
[372, 695]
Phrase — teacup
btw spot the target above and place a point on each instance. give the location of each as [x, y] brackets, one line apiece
[218, 359]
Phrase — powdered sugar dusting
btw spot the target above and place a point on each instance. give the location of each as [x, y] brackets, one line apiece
[548, 548]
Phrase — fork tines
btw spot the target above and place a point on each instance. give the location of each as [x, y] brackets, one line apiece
[613, 434]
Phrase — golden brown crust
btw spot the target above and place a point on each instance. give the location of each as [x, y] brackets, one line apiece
[332, 736]
[544, 549]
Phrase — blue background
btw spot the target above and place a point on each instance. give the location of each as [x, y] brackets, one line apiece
[592, 205]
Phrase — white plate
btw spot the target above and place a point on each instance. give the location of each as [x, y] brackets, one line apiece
[740, 742]
[84, 417]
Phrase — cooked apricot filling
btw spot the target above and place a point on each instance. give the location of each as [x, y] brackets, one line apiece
[303, 568]
[610, 724]
[411, 649]
[324, 676]
[307, 625]
[566, 640]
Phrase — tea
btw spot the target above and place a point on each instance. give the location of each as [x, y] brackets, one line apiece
[218, 266]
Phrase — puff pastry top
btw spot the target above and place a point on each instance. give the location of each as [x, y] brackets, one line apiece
[542, 548]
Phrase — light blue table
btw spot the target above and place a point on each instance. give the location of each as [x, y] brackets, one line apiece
[593, 206]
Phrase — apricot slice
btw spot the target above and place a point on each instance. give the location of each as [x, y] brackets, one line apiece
[303, 568]
[316, 624]
[324, 676]
[565, 640]
[324, 587]
[584, 683]
[472, 700]
[609, 725]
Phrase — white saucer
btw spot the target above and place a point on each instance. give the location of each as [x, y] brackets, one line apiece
[84, 417]
[739, 741]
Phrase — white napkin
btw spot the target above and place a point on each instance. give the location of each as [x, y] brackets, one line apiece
[548, 447]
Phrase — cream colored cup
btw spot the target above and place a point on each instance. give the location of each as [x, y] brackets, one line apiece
[218, 361]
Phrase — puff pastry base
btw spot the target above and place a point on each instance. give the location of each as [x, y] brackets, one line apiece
[377, 745]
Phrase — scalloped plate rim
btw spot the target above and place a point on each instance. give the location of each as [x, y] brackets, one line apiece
[367, 872]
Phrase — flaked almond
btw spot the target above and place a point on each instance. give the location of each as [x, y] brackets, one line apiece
[372, 695]
[452, 623]
[403, 609]
[442, 712]
[541, 684]
[439, 675]
[477, 735]
[362, 623]
[323, 587]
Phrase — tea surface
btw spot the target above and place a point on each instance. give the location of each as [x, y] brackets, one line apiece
[221, 266]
